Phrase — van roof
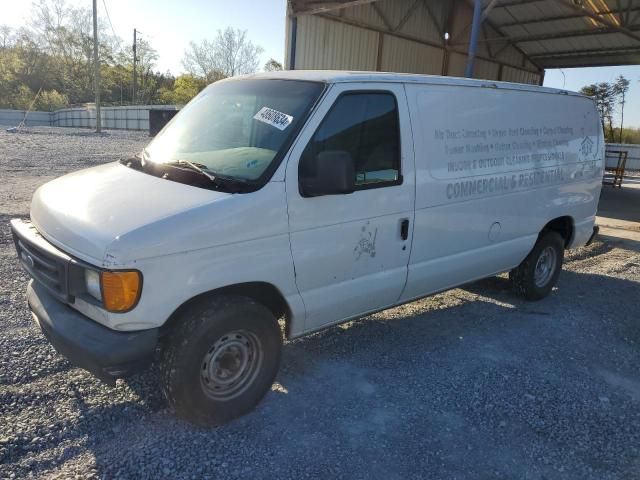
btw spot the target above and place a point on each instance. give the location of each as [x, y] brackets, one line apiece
[338, 76]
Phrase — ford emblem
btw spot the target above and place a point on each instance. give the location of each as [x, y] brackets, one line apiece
[28, 260]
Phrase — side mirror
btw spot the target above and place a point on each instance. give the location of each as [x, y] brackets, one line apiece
[329, 173]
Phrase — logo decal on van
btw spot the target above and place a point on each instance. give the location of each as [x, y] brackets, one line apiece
[274, 118]
[587, 146]
[367, 243]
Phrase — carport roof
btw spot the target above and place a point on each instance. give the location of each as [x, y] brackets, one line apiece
[551, 33]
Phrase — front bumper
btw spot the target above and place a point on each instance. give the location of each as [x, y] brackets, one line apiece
[106, 353]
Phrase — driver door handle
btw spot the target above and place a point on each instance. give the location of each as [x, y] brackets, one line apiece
[404, 229]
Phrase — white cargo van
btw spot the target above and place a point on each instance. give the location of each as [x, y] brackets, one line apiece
[311, 197]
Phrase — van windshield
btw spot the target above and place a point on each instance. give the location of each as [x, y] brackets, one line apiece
[235, 128]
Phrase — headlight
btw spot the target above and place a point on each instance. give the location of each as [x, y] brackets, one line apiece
[92, 284]
[119, 291]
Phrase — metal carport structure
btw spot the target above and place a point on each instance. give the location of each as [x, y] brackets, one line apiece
[513, 40]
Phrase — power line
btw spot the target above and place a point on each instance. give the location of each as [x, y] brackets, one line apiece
[104, 3]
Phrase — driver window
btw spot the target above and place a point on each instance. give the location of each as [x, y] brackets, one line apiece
[366, 126]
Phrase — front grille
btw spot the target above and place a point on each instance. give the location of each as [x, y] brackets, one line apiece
[42, 268]
[46, 266]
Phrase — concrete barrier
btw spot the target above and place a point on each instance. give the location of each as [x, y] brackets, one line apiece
[34, 119]
[134, 117]
[633, 157]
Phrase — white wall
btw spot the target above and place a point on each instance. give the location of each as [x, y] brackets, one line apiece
[135, 117]
[633, 157]
[14, 117]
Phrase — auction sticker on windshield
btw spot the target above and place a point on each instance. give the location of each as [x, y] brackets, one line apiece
[274, 118]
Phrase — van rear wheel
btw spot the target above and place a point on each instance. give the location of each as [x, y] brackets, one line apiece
[536, 276]
[220, 359]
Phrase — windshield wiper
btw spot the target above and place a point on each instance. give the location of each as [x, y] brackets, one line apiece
[233, 184]
[217, 179]
[195, 167]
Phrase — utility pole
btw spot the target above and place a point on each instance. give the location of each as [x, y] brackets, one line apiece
[135, 62]
[96, 66]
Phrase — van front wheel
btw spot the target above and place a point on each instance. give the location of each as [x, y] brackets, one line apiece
[220, 360]
[536, 276]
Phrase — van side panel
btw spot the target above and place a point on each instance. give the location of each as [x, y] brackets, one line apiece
[493, 166]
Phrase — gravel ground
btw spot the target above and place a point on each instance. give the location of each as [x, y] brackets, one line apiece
[471, 383]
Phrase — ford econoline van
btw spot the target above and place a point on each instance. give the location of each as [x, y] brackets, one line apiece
[278, 204]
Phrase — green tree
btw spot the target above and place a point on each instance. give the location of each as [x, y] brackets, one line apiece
[184, 89]
[50, 101]
[21, 97]
[604, 95]
[6, 36]
[230, 53]
[53, 54]
[272, 66]
[630, 135]
[620, 89]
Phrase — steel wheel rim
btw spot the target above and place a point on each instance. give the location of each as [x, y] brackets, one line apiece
[231, 365]
[545, 266]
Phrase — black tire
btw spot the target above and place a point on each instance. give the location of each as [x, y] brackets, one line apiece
[212, 339]
[523, 277]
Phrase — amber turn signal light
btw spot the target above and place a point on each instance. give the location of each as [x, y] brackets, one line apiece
[120, 290]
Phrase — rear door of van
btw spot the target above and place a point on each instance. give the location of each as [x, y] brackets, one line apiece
[351, 251]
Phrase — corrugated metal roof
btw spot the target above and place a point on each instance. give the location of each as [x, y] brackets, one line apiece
[411, 36]
[568, 33]
[526, 35]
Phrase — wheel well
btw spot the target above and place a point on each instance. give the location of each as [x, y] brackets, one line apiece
[563, 226]
[261, 292]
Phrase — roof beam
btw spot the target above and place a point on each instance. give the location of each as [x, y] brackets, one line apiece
[515, 3]
[382, 16]
[501, 49]
[555, 35]
[312, 7]
[407, 15]
[484, 36]
[598, 18]
[610, 60]
[485, 14]
[570, 16]
[595, 51]
[505, 37]
[433, 18]
[448, 22]
[488, 8]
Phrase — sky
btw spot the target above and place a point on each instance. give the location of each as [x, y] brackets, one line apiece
[170, 25]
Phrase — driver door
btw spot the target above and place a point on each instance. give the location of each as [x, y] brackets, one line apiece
[351, 251]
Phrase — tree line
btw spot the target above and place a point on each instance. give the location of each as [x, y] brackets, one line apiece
[48, 63]
[611, 97]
